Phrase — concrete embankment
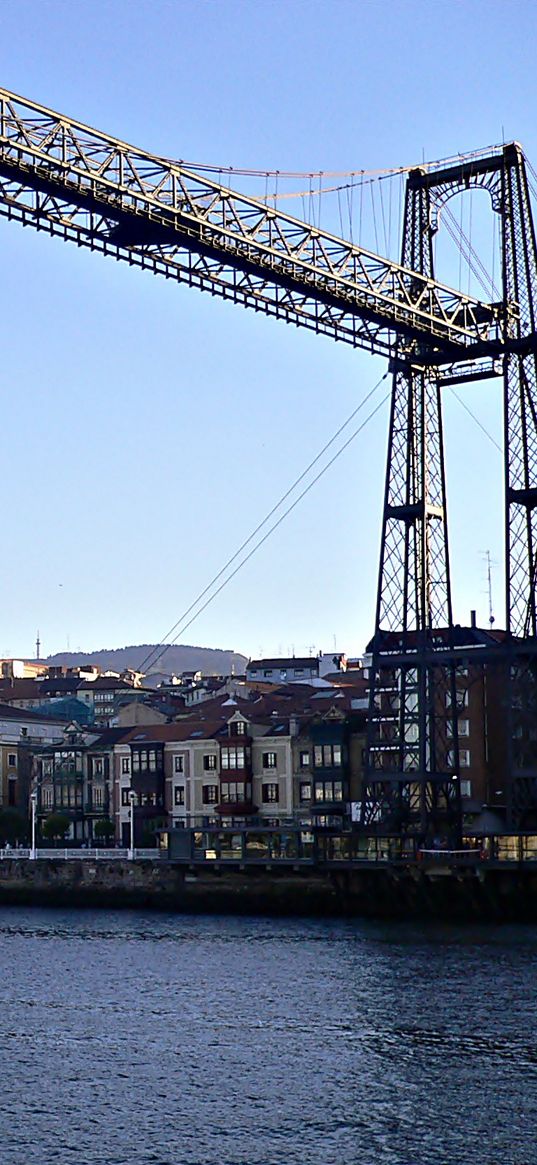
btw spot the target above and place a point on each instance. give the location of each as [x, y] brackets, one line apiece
[492, 894]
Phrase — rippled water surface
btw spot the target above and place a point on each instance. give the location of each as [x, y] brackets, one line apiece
[133, 1039]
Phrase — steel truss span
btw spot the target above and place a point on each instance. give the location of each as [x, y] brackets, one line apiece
[86, 187]
[91, 189]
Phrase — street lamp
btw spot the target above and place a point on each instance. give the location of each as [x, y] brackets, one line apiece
[33, 803]
[132, 799]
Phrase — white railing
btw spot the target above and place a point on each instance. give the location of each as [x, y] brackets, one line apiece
[82, 854]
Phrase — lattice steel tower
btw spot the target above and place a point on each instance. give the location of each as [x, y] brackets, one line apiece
[412, 778]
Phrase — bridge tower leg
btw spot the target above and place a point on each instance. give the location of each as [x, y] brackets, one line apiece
[411, 780]
[412, 776]
[520, 413]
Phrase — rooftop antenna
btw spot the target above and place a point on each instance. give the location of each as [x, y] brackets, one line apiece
[489, 586]
[37, 647]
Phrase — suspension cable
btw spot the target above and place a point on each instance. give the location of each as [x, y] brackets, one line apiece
[452, 159]
[156, 653]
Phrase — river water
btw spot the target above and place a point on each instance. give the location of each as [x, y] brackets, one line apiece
[151, 1039]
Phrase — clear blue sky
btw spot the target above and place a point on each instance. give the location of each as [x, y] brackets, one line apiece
[146, 428]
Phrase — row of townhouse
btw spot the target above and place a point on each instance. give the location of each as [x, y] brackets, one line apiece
[234, 765]
[294, 753]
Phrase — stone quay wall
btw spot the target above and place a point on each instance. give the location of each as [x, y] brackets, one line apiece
[496, 895]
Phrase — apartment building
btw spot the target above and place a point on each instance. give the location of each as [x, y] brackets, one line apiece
[237, 763]
[470, 728]
[20, 732]
[72, 776]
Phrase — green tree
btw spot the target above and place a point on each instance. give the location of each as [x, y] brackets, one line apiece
[55, 826]
[13, 826]
[104, 829]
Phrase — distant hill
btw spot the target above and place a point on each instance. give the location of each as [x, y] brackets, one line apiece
[176, 659]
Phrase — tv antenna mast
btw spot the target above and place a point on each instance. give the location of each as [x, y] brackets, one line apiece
[489, 587]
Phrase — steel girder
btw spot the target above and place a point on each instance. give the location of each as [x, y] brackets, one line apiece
[63, 177]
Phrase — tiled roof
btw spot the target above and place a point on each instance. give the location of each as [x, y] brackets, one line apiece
[28, 689]
[7, 712]
[109, 737]
[167, 733]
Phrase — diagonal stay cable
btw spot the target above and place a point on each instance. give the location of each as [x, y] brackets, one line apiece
[476, 419]
[261, 541]
[148, 661]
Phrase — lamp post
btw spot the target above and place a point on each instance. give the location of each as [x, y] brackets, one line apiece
[132, 798]
[33, 803]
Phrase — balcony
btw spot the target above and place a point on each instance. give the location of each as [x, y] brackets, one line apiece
[148, 782]
[236, 808]
[64, 774]
[146, 812]
[330, 806]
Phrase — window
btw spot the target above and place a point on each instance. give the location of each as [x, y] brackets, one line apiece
[238, 728]
[12, 792]
[47, 797]
[464, 758]
[304, 760]
[97, 797]
[461, 698]
[12, 759]
[327, 756]
[125, 800]
[463, 726]
[125, 764]
[328, 790]
[209, 762]
[233, 758]
[466, 788]
[179, 797]
[209, 794]
[144, 760]
[305, 791]
[98, 764]
[269, 760]
[179, 764]
[270, 793]
[236, 791]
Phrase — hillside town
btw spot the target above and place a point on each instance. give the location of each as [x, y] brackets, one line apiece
[104, 753]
